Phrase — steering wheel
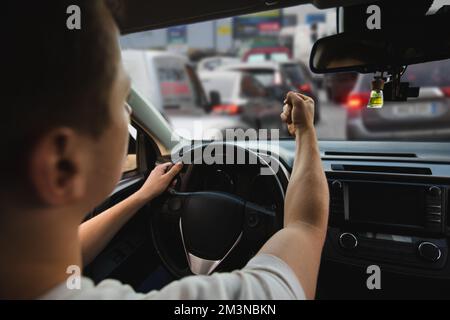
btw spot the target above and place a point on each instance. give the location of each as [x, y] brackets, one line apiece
[200, 232]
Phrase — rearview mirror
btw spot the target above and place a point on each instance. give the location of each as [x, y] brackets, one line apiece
[383, 50]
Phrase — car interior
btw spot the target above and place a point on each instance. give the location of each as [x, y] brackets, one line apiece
[389, 200]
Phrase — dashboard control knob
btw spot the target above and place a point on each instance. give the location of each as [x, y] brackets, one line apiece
[348, 240]
[434, 191]
[429, 251]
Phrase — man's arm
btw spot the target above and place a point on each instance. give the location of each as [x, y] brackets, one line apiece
[301, 241]
[96, 233]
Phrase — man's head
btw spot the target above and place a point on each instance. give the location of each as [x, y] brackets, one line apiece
[63, 127]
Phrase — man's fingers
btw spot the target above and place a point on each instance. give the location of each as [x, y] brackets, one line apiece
[174, 170]
[301, 96]
[163, 167]
[286, 114]
[293, 97]
[304, 97]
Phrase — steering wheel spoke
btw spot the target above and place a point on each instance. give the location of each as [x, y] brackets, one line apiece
[204, 266]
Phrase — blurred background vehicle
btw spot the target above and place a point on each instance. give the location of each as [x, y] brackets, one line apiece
[171, 84]
[426, 117]
[280, 77]
[241, 95]
[338, 85]
[267, 54]
[212, 63]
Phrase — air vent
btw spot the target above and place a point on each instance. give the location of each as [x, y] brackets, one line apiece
[381, 169]
[371, 154]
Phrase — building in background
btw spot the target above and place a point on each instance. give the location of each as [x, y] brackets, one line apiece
[214, 35]
[296, 27]
[237, 34]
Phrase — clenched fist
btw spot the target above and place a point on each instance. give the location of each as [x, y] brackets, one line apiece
[298, 112]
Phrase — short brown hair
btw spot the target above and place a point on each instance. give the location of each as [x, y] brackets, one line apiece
[53, 76]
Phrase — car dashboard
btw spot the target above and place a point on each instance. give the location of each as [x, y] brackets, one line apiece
[389, 211]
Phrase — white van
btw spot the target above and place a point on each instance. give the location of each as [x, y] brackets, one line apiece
[169, 82]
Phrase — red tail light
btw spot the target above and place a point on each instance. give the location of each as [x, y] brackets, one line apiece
[446, 91]
[227, 109]
[357, 100]
[306, 87]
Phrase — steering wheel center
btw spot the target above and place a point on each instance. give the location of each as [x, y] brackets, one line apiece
[211, 222]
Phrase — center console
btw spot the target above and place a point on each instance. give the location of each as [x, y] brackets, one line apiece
[392, 220]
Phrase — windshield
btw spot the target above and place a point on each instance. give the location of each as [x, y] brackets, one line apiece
[284, 38]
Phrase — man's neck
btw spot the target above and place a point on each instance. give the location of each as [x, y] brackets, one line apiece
[35, 250]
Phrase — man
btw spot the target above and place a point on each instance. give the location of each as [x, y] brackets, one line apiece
[64, 133]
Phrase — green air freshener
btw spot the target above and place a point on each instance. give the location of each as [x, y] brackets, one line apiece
[376, 95]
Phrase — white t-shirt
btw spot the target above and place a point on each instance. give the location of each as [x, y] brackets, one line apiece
[264, 277]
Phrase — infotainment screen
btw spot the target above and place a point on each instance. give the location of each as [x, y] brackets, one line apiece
[385, 203]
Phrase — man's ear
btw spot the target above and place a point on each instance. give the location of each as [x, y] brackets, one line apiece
[56, 168]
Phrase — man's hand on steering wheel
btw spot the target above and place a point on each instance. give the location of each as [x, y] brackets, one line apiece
[159, 180]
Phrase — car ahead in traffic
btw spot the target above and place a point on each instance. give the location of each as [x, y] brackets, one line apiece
[338, 85]
[212, 63]
[267, 54]
[426, 117]
[281, 77]
[171, 84]
[241, 95]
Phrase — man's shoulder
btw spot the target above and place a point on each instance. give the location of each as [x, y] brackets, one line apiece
[108, 289]
[264, 277]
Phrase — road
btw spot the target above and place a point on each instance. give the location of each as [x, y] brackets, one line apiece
[332, 122]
